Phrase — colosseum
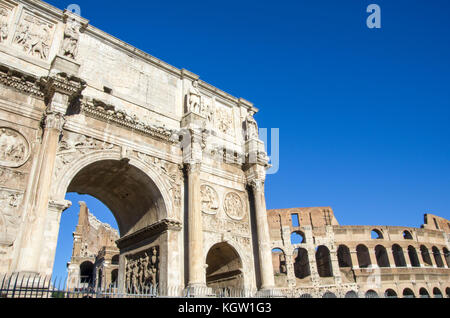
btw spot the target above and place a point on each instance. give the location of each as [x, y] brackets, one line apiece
[181, 165]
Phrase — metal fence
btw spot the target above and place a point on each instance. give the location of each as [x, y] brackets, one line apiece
[33, 286]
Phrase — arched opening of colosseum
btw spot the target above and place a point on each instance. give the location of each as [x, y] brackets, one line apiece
[446, 256]
[323, 260]
[437, 293]
[224, 267]
[301, 263]
[447, 292]
[87, 273]
[297, 237]
[133, 199]
[279, 267]
[115, 259]
[344, 257]
[362, 253]
[399, 256]
[407, 235]
[390, 293]
[382, 256]
[437, 257]
[423, 293]
[351, 294]
[329, 295]
[425, 255]
[371, 294]
[408, 293]
[376, 234]
[414, 259]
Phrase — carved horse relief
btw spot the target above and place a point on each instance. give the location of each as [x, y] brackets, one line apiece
[14, 148]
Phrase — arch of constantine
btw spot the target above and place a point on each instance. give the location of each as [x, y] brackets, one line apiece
[177, 161]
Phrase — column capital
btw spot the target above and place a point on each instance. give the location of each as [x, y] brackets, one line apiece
[193, 167]
[257, 185]
[54, 120]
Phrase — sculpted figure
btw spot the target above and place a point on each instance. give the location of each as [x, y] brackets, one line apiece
[251, 126]
[209, 199]
[23, 34]
[154, 257]
[3, 25]
[39, 42]
[194, 98]
[71, 37]
[11, 147]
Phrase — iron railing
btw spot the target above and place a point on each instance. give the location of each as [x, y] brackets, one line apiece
[34, 286]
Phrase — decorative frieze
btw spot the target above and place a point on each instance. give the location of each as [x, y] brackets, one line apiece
[105, 112]
[216, 224]
[20, 81]
[142, 270]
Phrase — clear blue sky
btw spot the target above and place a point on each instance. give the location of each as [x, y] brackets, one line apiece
[364, 114]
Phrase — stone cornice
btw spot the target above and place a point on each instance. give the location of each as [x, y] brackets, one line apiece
[20, 81]
[102, 111]
[62, 83]
[148, 232]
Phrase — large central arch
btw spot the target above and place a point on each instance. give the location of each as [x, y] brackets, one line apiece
[127, 191]
[139, 197]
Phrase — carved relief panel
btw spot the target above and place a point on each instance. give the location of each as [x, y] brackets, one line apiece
[223, 120]
[142, 270]
[14, 148]
[5, 21]
[10, 213]
[209, 199]
[34, 35]
[233, 206]
[224, 211]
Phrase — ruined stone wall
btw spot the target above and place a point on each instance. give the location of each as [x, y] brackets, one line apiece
[397, 258]
[94, 242]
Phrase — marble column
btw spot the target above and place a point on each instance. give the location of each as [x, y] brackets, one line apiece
[197, 274]
[32, 242]
[264, 246]
[60, 91]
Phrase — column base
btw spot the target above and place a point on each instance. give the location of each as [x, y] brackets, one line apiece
[198, 291]
[269, 292]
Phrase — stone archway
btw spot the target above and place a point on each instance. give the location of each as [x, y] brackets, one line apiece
[127, 191]
[140, 200]
[224, 267]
